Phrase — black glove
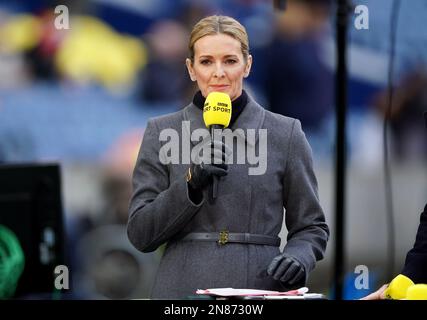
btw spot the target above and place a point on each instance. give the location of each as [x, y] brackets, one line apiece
[286, 269]
[201, 174]
[211, 164]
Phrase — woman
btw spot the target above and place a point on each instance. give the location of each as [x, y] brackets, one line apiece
[415, 267]
[233, 241]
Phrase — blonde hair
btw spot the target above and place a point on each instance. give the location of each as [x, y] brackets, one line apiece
[219, 25]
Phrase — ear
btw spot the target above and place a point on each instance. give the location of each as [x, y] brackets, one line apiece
[190, 69]
[248, 66]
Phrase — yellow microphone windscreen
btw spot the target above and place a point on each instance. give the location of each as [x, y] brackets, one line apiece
[417, 292]
[217, 109]
[398, 287]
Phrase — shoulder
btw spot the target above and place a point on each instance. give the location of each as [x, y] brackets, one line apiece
[279, 119]
[283, 125]
[281, 129]
[274, 121]
[288, 132]
[169, 120]
[423, 220]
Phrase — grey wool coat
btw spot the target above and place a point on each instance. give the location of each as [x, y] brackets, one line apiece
[160, 209]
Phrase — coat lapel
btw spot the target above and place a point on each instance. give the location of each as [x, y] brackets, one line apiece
[252, 117]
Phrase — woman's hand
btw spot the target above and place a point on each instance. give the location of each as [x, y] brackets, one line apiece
[286, 269]
[377, 295]
[210, 164]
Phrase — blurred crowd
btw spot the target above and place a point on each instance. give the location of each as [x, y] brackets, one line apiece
[131, 54]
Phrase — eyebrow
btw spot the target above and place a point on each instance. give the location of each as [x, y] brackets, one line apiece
[227, 56]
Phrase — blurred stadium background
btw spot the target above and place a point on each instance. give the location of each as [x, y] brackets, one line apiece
[82, 96]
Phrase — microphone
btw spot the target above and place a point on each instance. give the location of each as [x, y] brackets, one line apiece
[417, 292]
[404, 288]
[216, 115]
[398, 287]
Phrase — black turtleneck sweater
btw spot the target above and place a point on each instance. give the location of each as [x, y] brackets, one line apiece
[237, 105]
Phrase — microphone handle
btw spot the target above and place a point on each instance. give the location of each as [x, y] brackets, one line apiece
[214, 186]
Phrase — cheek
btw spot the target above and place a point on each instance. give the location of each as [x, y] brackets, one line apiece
[236, 73]
[236, 76]
[203, 76]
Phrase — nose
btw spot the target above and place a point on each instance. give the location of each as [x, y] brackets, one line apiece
[219, 71]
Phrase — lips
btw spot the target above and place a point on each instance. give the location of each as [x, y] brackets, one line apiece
[219, 86]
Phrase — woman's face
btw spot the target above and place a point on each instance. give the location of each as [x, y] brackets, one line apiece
[219, 65]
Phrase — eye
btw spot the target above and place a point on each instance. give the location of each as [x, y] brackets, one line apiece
[205, 62]
[230, 61]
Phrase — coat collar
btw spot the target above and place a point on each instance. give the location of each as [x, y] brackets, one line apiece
[252, 117]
